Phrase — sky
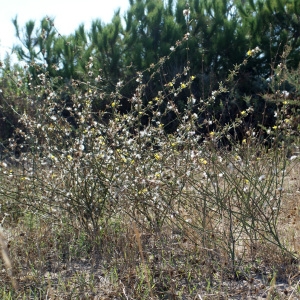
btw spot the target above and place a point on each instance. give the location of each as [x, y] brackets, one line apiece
[68, 14]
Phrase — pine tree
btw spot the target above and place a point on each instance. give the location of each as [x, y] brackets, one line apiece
[272, 25]
[107, 48]
[220, 32]
[37, 46]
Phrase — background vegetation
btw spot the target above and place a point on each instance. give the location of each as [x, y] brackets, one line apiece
[154, 156]
[220, 33]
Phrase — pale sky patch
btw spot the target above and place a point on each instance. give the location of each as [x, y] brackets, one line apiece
[69, 14]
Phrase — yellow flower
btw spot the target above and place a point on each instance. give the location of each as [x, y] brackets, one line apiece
[249, 53]
[244, 141]
[113, 104]
[170, 84]
[69, 157]
[157, 156]
[143, 191]
[274, 127]
[237, 157]
[193, 77]
[243, 113]
[203, 161]
[183, 85]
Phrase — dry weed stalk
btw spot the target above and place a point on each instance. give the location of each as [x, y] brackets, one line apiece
[6, 259]
[138, 240]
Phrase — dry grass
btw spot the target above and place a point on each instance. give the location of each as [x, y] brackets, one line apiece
[52, 260]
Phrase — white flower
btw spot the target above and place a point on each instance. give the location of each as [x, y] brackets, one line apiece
[186, 12]
[98, 78]
[257, 49]
[285, 94]
[172, 48]
[280, 66]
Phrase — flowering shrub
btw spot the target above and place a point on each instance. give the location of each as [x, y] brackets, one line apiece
[94, 167]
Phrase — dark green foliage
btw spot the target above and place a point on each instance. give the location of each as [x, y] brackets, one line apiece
[10, 101]
[220, 34]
